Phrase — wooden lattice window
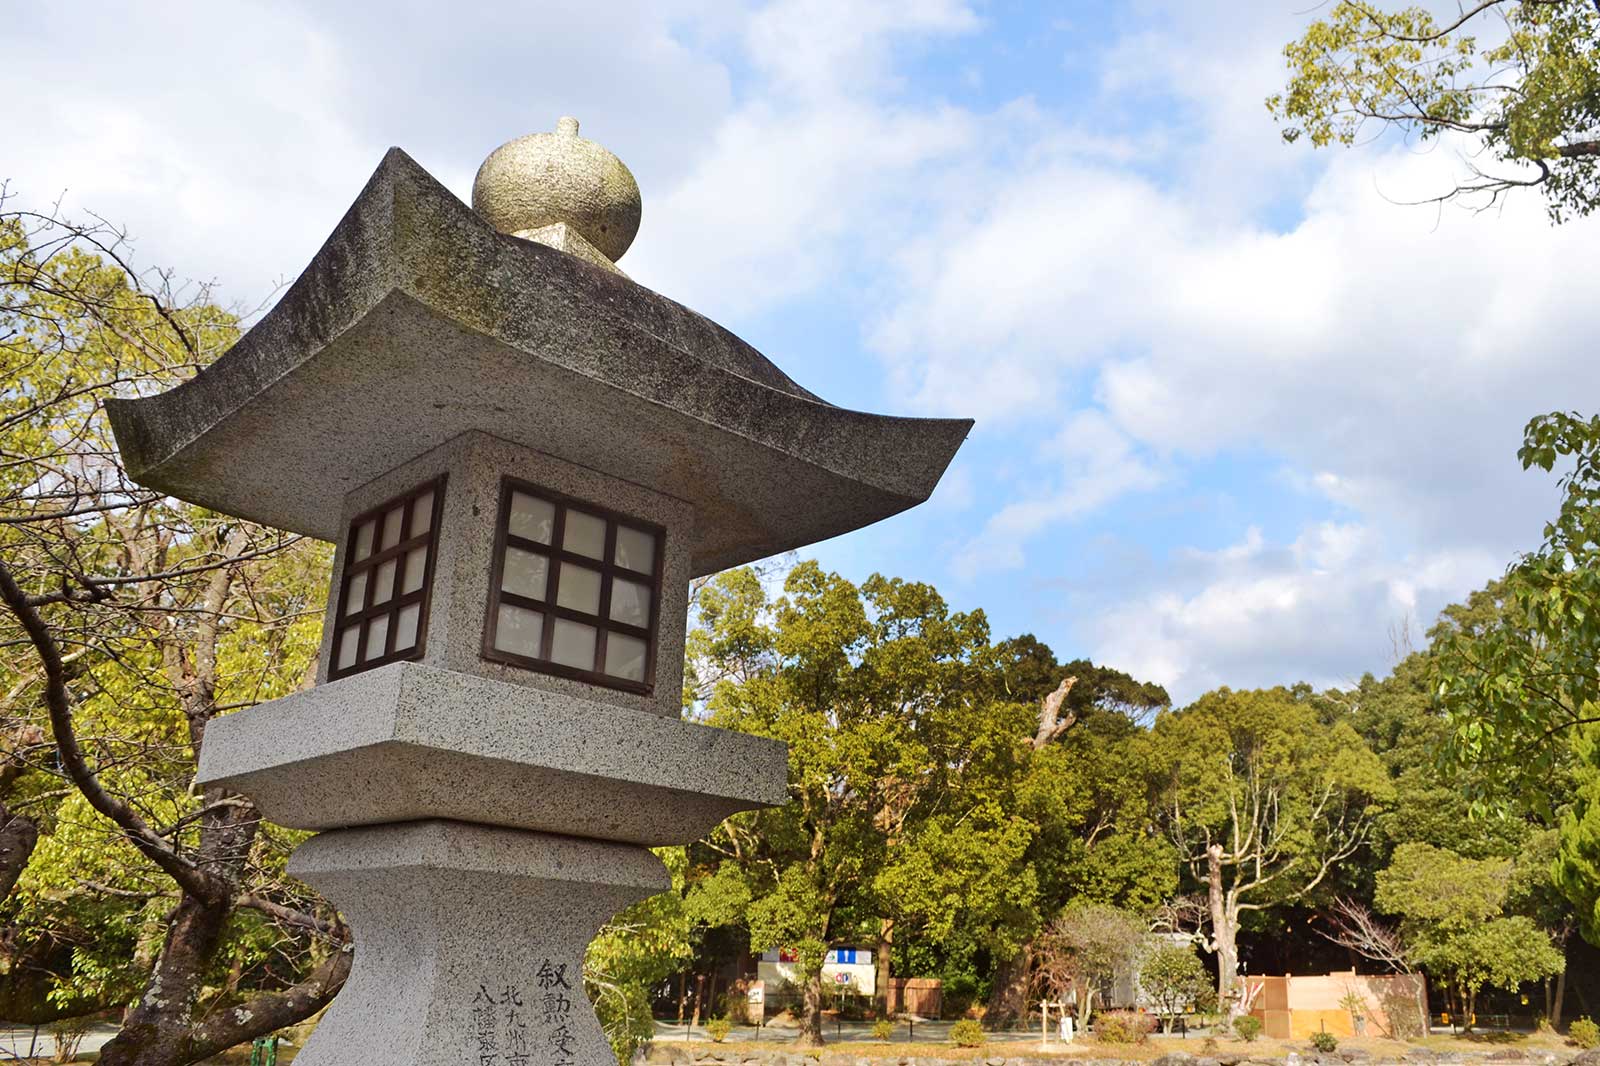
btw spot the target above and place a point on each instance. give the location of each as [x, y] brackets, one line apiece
[388, 575]
[575, 590]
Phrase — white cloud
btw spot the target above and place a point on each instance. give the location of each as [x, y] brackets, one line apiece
[1127, 292]
[816, 171]
[229, 138]
[1089, 464]
[827, 48]
[1389, 355]
[1322, 609]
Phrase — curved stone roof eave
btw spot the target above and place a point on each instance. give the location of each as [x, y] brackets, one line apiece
[409, 258]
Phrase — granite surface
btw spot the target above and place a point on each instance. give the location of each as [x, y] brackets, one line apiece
[543, 179]
[473, 465]
[417, 322]
[469, 941]
[565, 238]
[409, 741]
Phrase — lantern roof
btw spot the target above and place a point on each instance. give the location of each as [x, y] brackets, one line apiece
[418, 321]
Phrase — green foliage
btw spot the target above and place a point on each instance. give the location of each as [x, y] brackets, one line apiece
[1086, 948]
[1523, 676]
[632, 954]
[1173, 977]
[1324, 1042]
[869, 687]
[1123, 1027]
[718, 1029]
[883, 1030]
[74, 331]
[967, 1033]
[1584, 1032]
[1247, 1027]
[1267, 796]
[1452, 921]
[1576, 867]
[1520, 683]
[1531, 92]
[917, 799]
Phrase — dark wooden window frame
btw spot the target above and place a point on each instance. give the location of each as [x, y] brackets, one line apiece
[555, 554]
[397, 600]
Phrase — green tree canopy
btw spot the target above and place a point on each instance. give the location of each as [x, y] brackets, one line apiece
[1521, 75]
[1264, 799]
[1453, 925]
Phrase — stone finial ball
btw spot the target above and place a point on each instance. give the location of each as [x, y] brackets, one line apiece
[545, 178]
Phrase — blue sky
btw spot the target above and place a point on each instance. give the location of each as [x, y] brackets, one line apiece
[1242, 418]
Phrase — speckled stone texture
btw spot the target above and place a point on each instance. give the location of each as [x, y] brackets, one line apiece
[409, 741]
[544, 178]
[470, 942]
[474, 464]
[564, 238]
[417, 321]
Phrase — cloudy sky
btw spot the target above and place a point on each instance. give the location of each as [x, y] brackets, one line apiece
[1241, 416]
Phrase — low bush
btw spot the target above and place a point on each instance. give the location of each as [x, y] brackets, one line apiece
[883, 1030]
[1122, 1027]
[1247, 1027]
[1584, 1032]
[718, 1029]
[1324, 1042]
[966, 1033]
[733, 1006]
[68, 1033]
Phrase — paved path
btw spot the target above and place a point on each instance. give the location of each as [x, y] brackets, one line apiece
[848, 1033]
[16, 1042]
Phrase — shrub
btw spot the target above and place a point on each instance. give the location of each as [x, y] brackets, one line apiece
[1210, 1046]
[718, 1029]
[1122, 1027]
[960, 992]
[733, 1006]
[1247, 1027]
[68, 1033]
[1324, 1042]
[882, 1030]
[1584, 1032]
[1173, 977]
[966, 1033]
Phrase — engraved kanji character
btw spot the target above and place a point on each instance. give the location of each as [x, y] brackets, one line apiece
[553, 976]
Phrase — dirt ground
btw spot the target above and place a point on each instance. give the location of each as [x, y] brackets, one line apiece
[1262, 1048]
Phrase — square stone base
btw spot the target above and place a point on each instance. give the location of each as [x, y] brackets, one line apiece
[469, 942]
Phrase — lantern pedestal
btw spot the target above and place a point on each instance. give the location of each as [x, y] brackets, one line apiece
[471, 942]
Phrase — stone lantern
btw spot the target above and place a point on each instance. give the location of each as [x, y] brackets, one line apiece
[524, 458]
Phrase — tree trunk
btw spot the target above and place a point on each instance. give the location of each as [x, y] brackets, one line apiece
[18, 837]
[1008, 996]
[1558, 1000]
[881, 958]
[1225, 937]
[1086, 1004]
[811, 1012]
[683, 993]
[699, 998]
[156, 1031]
